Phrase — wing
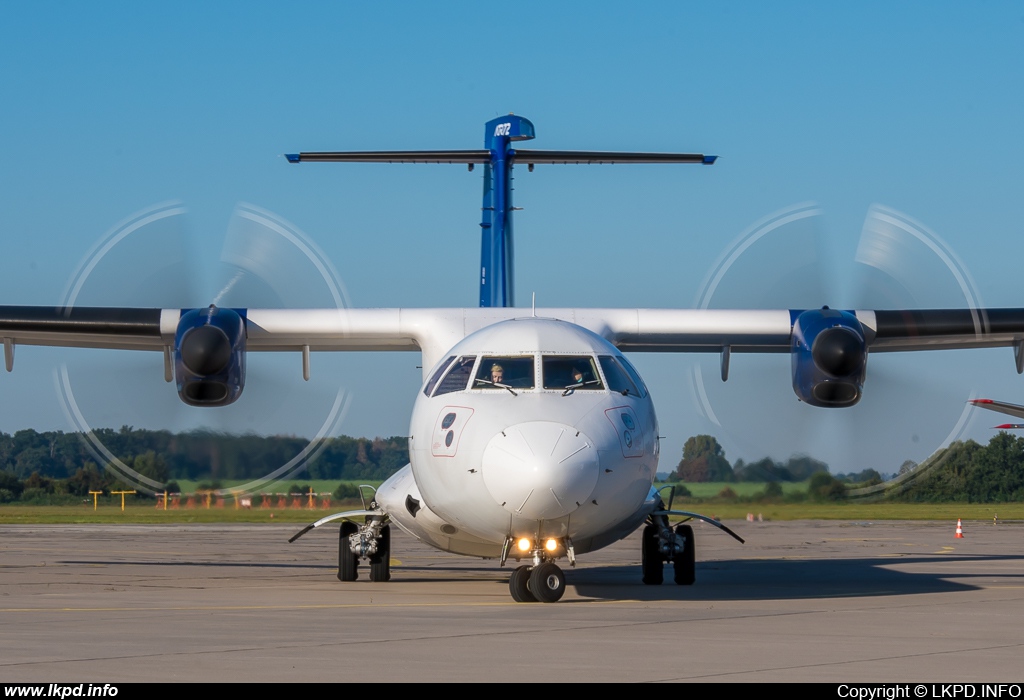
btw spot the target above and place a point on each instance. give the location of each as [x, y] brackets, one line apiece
[155, 329]
[117, 328]
[707, 330]
[434, 331]
[829, 348]
[204, 349]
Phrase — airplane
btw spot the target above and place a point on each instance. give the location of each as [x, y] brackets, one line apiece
[1010, 409]
[533, 438]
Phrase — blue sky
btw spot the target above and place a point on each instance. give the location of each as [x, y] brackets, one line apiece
[110, 108]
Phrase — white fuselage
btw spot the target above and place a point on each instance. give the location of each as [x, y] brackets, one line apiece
[563, 444]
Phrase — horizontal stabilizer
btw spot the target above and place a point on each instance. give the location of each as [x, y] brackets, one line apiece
[605, 157]
[390, 157]
[498, 157]
[521, 155]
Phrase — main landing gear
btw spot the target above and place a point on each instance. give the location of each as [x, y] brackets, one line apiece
[661, 544]
[370, 541]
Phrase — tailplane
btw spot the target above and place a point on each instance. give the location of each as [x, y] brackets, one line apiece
[498, 157]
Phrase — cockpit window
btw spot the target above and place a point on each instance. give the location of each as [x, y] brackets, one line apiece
[500, 372]
[436, 376]
[569, 372]
[618, 379]
[458, 376]
[634, 375]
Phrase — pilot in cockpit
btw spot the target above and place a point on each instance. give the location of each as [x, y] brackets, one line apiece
[497, 374]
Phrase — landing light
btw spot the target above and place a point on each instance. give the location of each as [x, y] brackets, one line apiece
[551, 545]
[524, 545]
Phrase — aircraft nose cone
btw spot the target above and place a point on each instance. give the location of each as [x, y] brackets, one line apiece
[540, 470]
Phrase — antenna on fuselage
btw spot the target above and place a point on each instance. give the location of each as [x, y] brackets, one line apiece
[498, 158]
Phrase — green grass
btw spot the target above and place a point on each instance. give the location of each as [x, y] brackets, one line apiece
[142, 510]
[319, 485]
[711, 489]
[111, 513]
[861, 511]
[14, 514]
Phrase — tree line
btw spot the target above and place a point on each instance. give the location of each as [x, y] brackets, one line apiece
[195, 455]
[966, 472]
[704, 460]
[34, 463]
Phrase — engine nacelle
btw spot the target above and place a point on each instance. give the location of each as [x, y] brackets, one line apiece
[209, 356]
[830, 357]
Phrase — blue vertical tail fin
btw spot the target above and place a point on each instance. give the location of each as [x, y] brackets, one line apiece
[498, 158]
[497, 262]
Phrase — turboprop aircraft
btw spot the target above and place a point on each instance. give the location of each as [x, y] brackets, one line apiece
[533, 438]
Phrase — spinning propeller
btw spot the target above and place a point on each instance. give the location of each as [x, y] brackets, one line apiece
[154, 260]
[912, 403]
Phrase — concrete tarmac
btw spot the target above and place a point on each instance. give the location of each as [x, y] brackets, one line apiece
[801, 601]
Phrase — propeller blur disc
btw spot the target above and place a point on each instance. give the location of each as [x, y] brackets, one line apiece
[153, 259]
[913, 404]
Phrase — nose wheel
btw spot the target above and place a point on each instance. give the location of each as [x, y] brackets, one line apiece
[544, 583]
[547, 582]
[519, 585]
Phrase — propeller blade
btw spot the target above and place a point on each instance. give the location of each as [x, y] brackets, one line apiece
[911, 403]
[152, 260]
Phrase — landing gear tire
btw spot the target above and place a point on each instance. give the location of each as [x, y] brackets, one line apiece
[650, 561]
[684, 562]
[348, 562]
[519, 585]
[380, 563]
[547, 582]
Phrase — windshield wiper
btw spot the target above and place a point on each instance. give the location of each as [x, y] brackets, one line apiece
[573, 387]
[497, 384]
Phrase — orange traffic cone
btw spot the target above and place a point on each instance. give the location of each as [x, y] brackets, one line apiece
[959, 530]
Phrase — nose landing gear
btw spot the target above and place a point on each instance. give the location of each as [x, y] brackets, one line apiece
[543, 583]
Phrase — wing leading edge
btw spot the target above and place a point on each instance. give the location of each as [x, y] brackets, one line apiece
[434, 331]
